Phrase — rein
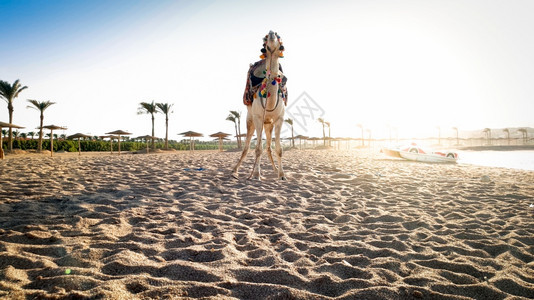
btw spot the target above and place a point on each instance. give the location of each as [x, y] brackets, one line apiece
[270, 110]
[268, 80]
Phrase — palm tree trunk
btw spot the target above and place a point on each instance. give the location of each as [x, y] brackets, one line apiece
[10, 136]
[166, 132]
[239, 144]
[40, 145]
[51, 143]
[237, 134]
[1, 145]
[292, 137]
[153, 131]
[324, 137]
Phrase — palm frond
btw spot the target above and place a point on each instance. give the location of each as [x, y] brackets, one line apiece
[236, 114]
[231, 118]
[164, 108]
[147, 108]
[10, 91]
[40, 105]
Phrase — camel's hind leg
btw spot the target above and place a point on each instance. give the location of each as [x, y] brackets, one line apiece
[250, 133]
[268, 140]
[256, 169]
[278, 148]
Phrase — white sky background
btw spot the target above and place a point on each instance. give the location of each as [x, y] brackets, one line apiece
[413, 65]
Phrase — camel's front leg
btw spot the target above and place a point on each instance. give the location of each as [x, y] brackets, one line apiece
[250, 133]
[268, 142]
[278, 148]
[256, 171]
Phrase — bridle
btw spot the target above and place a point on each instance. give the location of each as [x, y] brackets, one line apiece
[270, 80]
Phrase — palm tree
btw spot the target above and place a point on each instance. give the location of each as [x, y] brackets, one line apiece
[9, 92]
[24, 135]
[232, 118]
[148, 108]
[524, 133]
[40, 106]
[324, 136]
[290, 122]
[508, 134]
[165, 108]
[487, 132]
[457, 140]
[329, 136]
[16, 134]
[361, 127]
[237, 116]
[32, 134]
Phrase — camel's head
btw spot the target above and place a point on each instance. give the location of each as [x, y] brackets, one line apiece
[272, 46]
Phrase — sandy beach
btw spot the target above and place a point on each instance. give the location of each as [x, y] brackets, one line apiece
[346, 225]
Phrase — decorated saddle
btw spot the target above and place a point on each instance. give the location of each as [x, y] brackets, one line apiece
[255, 77]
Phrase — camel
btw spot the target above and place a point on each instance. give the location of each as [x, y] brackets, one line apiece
[267, 110]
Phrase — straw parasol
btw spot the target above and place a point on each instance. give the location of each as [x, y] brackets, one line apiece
[52, 128]
[220, 136]
[301, 137]
[314, 139]
[146, 138]
[78, 136]
[5, 125]
[111, 137]
[191, 135]
[119, 133]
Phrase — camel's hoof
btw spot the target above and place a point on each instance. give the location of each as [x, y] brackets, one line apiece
[283, 178]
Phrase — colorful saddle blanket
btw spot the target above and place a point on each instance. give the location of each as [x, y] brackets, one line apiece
[255, 77]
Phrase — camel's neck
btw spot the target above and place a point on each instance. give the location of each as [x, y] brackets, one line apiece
[272, 68]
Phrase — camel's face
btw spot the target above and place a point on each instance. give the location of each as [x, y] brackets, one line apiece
[273, 44]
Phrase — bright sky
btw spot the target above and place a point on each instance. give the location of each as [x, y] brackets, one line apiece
[413, 65]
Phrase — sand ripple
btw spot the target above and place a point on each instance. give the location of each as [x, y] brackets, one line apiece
[346, 225]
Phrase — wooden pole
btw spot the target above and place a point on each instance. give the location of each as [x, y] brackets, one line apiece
[79, 147]
[51, 142]
[1, 145]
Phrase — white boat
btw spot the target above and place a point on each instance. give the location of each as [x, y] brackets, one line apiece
[425, 157]
[391, 152]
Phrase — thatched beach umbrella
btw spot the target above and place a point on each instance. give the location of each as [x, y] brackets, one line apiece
[315, 139]
[52, 128]
[110, 137]
[146, 138]
[5, 125]
[119, 133]
[191, 135]
[78, 136]
[301, 137]
[220, 136]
